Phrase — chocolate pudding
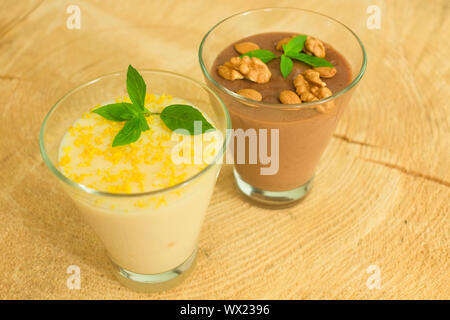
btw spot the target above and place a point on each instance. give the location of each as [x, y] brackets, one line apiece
[270, 90]
[304, 131]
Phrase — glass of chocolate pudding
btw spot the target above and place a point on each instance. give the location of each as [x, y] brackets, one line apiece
[282, 121]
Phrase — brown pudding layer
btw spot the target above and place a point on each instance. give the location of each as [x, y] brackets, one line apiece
[304, 132]
[270, 91]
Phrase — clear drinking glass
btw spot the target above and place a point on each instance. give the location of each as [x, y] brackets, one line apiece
[151, 248]
[304, 132]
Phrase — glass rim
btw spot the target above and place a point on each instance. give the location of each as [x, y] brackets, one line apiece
[86, 189]
[253, 103]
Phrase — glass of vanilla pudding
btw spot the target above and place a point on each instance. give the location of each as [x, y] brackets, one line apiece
[145, 200]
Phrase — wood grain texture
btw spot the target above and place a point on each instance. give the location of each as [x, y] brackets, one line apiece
[381, 194]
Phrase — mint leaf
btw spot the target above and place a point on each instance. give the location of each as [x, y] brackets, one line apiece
[130, 132]
[143, 124]
[311, 60]
[177, 116]
[295, 45]
[116, 111]
[136, 87]
[286, 65]
[181, 116]
[121, 111]
[136, 110]
[264, 55]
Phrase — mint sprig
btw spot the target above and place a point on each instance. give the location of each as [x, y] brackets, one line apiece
[136, 87]
[182, 116]
[286, 65]
[116, 112]
[295, 45]
[130, 132]
[264, 55]
[291, 50]
[177, 116]
[311, 60]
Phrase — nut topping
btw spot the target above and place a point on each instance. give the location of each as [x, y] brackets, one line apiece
[324, 92]
[289, 97]
[314, 77]
[250, 94]
[252, 69]
[281, 42]
[229, 73]
[310, 87]
[245, 47]
[315, 90]
[301, 85]
[308, 97]
[326, 72]
[315, 46]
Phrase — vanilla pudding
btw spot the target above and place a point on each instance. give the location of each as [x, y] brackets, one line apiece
[147, 226]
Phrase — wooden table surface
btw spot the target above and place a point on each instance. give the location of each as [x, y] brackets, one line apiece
[382, 189]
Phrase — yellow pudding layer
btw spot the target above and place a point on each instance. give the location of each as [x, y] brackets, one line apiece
[87, 157]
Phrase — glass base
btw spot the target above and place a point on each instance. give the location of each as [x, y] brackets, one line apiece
[155, 282]
[272, 198]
